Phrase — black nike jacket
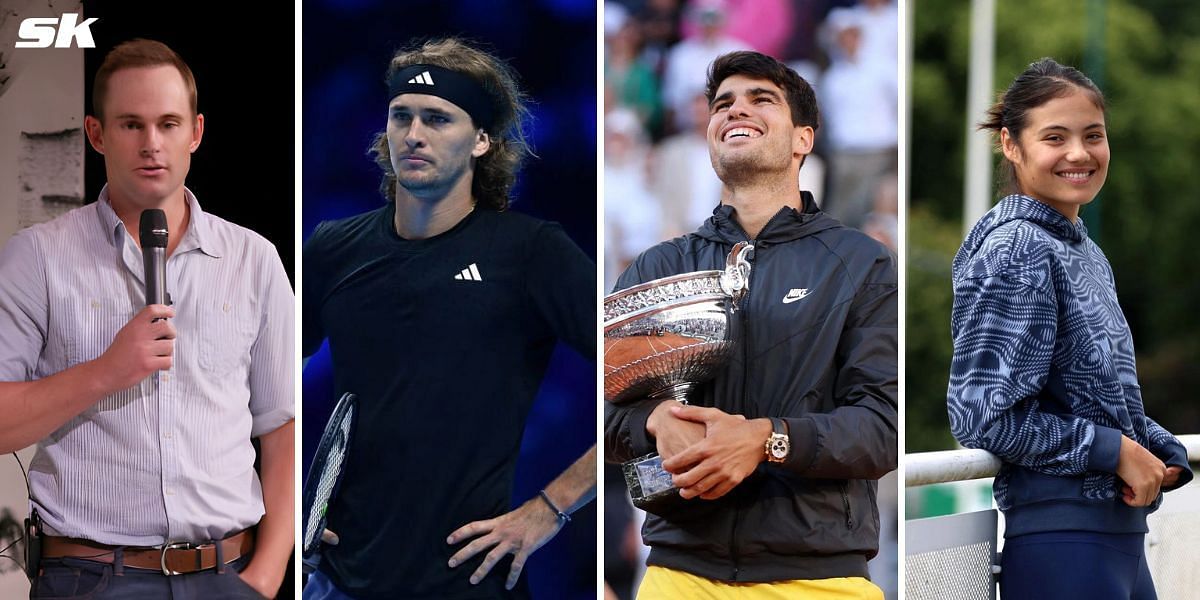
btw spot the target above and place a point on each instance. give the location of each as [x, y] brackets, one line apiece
[820, 351]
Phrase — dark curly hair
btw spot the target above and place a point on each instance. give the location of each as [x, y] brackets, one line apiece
[495, 171]
[1038, 84]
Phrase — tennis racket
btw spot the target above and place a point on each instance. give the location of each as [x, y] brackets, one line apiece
[325, 474]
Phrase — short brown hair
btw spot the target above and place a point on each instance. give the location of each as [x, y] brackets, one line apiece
[139, 53]
[495, 171]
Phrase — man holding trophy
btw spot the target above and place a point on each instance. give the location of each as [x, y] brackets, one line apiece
[774, 450]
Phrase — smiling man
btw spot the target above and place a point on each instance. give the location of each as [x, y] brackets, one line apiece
[441, 309]
[776, 459]
[144, 477]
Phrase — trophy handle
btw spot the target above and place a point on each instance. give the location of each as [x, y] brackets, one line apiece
[735, 281]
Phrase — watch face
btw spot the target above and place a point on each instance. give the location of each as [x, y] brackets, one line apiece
[779, 448]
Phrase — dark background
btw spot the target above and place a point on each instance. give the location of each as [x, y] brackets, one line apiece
[552, 45]
[244, 169]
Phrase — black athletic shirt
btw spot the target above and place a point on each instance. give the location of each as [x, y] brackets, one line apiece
[445, 342]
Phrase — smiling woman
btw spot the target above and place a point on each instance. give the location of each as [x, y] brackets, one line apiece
[1043, 373]
[1053, 137]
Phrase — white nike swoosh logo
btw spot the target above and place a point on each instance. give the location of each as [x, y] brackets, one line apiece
[795, 295]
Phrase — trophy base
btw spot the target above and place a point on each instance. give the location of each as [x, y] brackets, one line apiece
[650, 486]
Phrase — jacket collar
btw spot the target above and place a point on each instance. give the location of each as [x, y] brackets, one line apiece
[784, 226]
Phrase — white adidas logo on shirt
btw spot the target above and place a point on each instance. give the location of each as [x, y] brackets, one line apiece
[423, 78]
[471, 273]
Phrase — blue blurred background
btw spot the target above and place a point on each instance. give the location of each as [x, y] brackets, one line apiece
[552, 44]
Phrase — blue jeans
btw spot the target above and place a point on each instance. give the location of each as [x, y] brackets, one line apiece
[79, 579]
[319, 587]
[1076, 564]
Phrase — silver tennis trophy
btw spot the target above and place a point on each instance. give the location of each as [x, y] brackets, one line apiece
[664, 337]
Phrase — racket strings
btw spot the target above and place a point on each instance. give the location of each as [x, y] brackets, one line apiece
[330, 472]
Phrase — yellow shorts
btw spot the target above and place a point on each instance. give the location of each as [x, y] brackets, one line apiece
[668, 584]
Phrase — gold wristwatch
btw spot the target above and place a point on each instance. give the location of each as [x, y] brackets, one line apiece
[778, 446]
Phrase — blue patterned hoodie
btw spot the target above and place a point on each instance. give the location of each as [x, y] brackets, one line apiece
[1044, 374]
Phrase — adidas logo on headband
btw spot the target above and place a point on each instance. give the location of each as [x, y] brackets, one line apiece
[460, 89]
[423, 78]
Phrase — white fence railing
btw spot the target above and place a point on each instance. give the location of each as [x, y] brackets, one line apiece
[954, 557]
[960, 465]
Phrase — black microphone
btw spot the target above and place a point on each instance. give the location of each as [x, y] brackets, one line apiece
[153, 233]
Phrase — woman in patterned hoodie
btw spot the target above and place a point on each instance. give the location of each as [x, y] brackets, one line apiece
[1044, 374]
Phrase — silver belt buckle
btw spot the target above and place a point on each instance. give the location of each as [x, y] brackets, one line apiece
[162, 557]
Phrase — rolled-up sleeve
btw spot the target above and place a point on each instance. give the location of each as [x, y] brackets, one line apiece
[272, 366]
[23, 307]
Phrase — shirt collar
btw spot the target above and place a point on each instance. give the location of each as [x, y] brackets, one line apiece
[199, 235]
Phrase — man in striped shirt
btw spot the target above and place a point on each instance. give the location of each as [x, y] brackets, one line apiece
[143, 477]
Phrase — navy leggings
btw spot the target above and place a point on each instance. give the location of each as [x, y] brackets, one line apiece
[319, 587]
[1076, 564]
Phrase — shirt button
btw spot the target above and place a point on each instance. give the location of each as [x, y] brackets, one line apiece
[166, 376]
[169, 492]
[168, 435]
[95, 304]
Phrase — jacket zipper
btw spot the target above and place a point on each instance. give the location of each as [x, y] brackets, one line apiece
[737, 513]
[745, 310]
[846, 505]
[745, 303]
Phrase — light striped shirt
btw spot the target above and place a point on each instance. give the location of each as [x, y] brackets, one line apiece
[169, 459]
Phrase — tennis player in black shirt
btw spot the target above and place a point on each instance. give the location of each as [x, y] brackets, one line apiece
[441, 309]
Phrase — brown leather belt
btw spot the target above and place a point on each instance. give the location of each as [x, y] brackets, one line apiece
[175, 558]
